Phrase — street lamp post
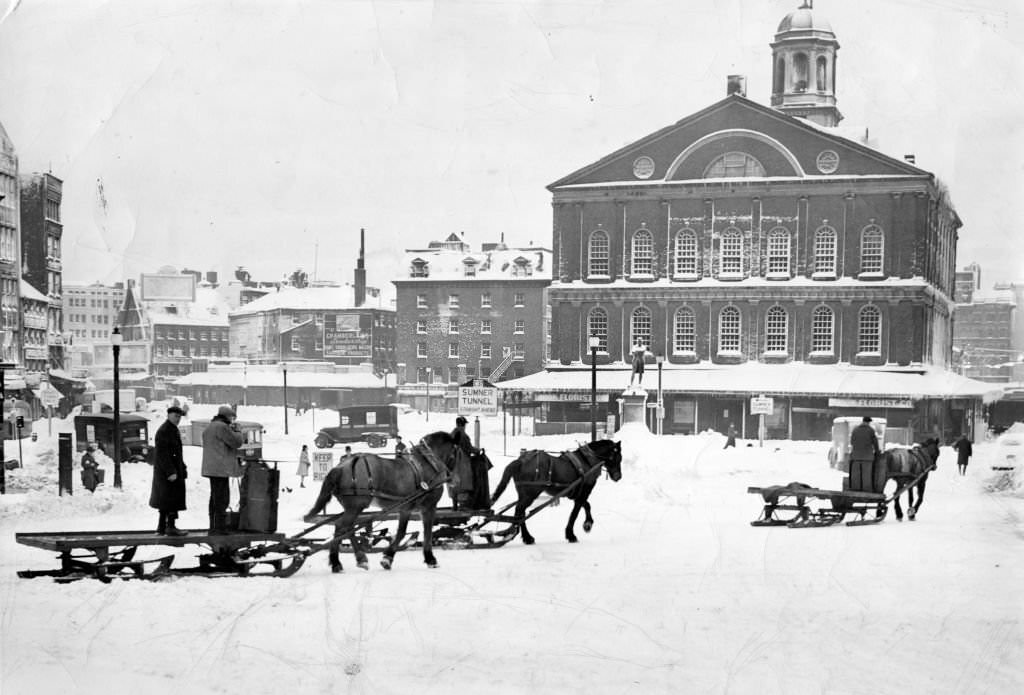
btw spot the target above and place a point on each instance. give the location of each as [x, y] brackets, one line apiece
[594, 342]
[284, 372]
[115, 345]
[660, 359]
[428, 393]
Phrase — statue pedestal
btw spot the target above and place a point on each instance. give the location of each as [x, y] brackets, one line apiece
[633, 406]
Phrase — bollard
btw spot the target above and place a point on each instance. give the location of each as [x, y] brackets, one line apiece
[64, 464]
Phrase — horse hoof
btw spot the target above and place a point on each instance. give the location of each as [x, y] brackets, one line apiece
[336, 569]
[363, 565]
[572, 539]
[899, 518]
[528, 541]
[587, 525]
[385, 562]
[432, 565]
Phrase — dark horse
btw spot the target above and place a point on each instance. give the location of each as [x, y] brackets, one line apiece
[537, 471]
[904, 465]
[410, 482]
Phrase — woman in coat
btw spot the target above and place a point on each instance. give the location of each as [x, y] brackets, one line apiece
[168, 492]
[303, 465]
[90, 474]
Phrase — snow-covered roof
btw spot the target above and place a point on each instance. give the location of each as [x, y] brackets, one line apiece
[208, 309]
[532, 263]
[311, 299]
[993, 296]
[296, 379]
[30, 292]
[795, 378]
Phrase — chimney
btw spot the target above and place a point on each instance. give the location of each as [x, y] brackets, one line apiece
[360, 275]
[736, 84]
[910, 159]
[211, 277]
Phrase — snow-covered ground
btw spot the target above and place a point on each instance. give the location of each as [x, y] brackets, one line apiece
[672, 592]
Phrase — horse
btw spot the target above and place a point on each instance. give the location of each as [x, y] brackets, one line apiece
[904, 465]
[410, 482]
[537, 471]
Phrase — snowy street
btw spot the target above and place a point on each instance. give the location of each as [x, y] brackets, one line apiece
[672, 592]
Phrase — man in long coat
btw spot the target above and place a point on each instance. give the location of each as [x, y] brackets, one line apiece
[168, 492]
[864, 451]
[963, 453]
[474, 488]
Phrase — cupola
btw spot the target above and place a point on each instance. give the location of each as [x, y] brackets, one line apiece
[804, 67]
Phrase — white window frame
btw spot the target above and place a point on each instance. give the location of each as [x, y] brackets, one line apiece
[869, 337]
[421, 327]
[519, 327]
[823, 330]
[872, 251]
[421, 301]
[778, 253]
[640, 326]
[599, 254]
[733, 331]
[733, 253]
[485, 300]
[519, 299]
[826, 250]
[453, 326]
[776, 331]
[684, 331]
[453, 350]
[685, 257]
[642, 256]
[597, 324]
[453, 301]
[421, 350]
[485, 351]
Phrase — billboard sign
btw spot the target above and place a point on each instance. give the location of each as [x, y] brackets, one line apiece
[478, 397]
[166, 287]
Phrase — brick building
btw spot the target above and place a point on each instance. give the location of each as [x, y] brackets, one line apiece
[760, 251]
[41, 232]
[463, 314]
[983, 337]
[10, 255]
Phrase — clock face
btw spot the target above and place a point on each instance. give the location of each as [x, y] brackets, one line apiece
[643, 167]
[828, 161]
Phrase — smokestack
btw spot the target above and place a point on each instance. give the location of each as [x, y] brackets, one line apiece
[736, 84]
[360, 276]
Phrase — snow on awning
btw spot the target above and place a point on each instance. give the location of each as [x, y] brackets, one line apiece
[768, 379]
[296, 379]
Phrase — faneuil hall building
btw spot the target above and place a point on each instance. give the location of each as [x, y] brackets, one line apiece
[758, 251]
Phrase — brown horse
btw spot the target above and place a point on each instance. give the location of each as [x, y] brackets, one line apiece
[537, 471]
[411, 482]
[904, 465]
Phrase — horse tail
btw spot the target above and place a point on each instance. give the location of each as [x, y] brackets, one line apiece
[506, 476]
[326, 490]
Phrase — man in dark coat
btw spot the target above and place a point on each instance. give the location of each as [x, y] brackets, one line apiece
[474, 487]
[864, 451]
[169, 473]
[963, 453]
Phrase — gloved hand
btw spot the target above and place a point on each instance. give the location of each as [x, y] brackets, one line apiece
[172, 477]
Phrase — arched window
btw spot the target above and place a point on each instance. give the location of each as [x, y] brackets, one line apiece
[822, 330]
[872, 248]
[800, 76]
[776, 330]
[643, 253]
[640, 327]
[598, 254]
[597, 324]
[821, 72]
[684, 331]
[778, 252]
[869, 330]
[729, 330]
[731, 253]
[780, 76]
[733, 165]
[684, 261]
[825, 252]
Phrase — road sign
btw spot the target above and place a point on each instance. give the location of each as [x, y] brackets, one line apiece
[48, 395]
[478, 397]
[762, 405]
[323, 462]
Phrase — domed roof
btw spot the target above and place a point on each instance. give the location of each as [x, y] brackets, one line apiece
[804, 19]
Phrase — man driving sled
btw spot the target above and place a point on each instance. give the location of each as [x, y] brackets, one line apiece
[474, 489]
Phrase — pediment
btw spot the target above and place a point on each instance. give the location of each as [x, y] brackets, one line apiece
[736, 137]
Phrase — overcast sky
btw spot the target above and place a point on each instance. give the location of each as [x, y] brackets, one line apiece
[210, 134]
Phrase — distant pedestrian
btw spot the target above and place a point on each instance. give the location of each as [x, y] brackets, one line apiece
[167, 494]
[730, 437]
[303, 465]
[399, 446]
[964, 450]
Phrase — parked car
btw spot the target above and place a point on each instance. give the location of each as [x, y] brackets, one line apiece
[373, 424]
[98, 429]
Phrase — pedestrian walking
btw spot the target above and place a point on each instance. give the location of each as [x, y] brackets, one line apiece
[167, 494]
[90, 470]
[864, 451]
[221, 441]
[303, 465]
[964, 450]
[730, 437]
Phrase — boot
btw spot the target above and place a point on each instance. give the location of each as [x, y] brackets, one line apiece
[173, 530]
[218, 524]
[161, 525]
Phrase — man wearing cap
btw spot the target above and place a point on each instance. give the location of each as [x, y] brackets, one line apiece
[474, 487]
[863, 452]
[221, 441]
[167, 494]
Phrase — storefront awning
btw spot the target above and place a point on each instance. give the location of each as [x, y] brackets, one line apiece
[767, 379]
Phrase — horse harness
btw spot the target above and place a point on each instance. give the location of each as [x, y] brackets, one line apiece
[583, 461]
[358, 478]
